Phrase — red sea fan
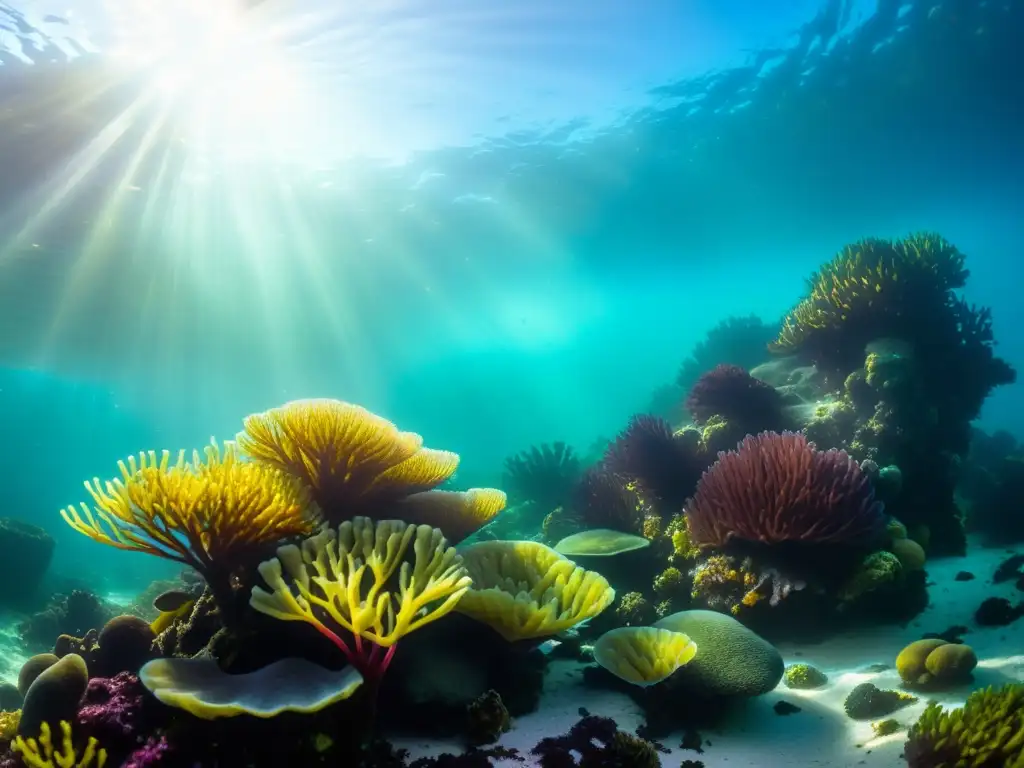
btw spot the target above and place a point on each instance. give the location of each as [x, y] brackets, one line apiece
[732, 393]
[778, 488]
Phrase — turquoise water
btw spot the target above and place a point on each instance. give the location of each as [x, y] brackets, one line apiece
[496, 225]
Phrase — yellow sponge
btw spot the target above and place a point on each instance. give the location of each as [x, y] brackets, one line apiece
[643, 655]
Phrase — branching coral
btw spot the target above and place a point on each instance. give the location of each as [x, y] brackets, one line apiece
[544, 475]
[43, 753]
[214, 513]
[525, 590]
[345, 580]
[778, 488]
[984, 733]
[356, 463]
[731, 393]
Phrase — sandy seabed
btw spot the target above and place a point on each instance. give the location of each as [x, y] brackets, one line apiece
[820, 734]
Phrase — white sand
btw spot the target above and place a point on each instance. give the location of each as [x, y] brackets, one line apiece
[821, 734]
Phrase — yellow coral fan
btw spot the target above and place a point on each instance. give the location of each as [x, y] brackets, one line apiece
[209, 513]
[42, 753]
[457, 513]
[526, 590]
[358, 463]
[643, 655]
[347, 455]
[346, 579]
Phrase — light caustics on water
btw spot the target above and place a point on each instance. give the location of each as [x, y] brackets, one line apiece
[216, 185]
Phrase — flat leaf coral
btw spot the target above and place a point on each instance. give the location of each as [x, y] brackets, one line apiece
[779, 488]
[356, 463]
[643, 655]
[525, 590]
[201, 688]
[987, 732]
[358, 580]
[212, 513]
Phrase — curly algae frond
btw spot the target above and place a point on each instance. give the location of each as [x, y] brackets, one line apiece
[43, 753]
[210, 513]
[357, 463]
[357, 579]
[525, 590]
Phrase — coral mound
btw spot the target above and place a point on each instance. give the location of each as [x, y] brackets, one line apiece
[779, 488]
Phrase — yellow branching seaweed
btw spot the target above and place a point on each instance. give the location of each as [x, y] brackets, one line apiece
[359, 579]
[209, 513]
[526, 590]
[43, 753]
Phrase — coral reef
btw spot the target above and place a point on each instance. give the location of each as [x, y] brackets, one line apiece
[605, 500]
[73, 614]
[912, 363]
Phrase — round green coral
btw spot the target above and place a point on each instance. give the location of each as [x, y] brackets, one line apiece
[877, 570]
[804, 676]
[987, 732]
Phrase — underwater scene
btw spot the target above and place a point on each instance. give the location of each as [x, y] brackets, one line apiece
[459, 384]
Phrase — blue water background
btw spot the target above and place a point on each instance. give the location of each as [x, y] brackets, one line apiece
[570, 244]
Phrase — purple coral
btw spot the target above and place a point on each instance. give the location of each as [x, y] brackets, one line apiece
[778, 488]
[664, 465]
[731, 393]
[112, 709]
[155, 751]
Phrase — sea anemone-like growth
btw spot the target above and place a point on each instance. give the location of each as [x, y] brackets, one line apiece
[741, 341]
[215, 513]
[543, 475]
[664, 465]
[731, 393]
[778, 488]
[357, 580]
[605, 500]
[984, 733]
[356, 463]
[525, 590]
